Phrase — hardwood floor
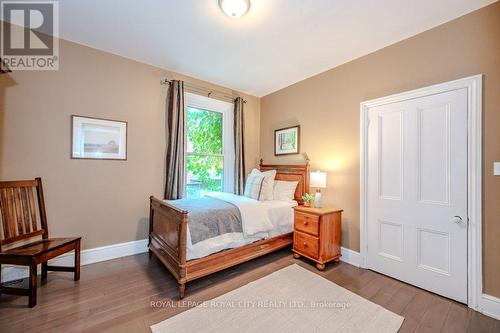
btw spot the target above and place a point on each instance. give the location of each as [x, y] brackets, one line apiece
[116, 296]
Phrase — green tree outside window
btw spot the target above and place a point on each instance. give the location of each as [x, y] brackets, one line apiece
[205, 160]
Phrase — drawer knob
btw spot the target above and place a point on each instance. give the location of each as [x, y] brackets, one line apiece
[305, 244]
[306, 223]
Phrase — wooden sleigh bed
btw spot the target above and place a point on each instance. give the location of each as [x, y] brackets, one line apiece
[168, 234]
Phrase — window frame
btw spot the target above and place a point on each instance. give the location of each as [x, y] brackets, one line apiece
[228, 154]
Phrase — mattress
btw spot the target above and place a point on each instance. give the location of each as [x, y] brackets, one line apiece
[281, 217]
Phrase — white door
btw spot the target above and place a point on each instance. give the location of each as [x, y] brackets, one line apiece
[417, 192]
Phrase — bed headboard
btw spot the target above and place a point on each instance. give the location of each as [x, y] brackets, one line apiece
[291, 172]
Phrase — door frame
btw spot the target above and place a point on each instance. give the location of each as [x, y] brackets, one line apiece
[473, 84]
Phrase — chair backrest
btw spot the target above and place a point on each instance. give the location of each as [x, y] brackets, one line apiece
[22, 211]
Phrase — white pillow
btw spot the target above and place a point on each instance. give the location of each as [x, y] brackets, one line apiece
[267, 185]
[284, 191]
[253, 186]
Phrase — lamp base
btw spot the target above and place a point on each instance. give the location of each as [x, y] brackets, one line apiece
[317, 199]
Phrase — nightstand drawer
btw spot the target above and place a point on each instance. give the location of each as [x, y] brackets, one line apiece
[307, 223]
[306, 244]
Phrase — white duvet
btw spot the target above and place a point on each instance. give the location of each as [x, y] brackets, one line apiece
[254, 215]
[259, 220]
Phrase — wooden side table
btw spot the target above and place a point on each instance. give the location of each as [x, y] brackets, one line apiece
[316, 234]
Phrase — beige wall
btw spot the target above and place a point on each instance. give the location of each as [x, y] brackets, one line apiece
[106, 202]
[327, 108]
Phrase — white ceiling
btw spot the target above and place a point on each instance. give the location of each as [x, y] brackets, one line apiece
[278, 43]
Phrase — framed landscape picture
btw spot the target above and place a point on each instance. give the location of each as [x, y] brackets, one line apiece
[287, 141]
[94, 138]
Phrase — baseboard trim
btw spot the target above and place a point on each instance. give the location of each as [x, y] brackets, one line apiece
[103, 253]
[490, 306]
[87, 257]
[350, 256]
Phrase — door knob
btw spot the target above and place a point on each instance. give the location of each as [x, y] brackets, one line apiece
[457, 219]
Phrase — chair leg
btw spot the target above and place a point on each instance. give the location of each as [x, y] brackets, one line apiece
[32, 285]
[77, 261]
[44, 271]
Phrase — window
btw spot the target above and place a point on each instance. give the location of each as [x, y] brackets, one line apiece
[210, 145]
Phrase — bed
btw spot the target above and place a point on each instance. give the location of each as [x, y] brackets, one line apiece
[169, 238]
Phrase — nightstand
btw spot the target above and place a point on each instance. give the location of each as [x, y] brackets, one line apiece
[316, 234]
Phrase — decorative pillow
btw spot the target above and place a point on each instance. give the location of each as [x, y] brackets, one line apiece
[253, 186]
[267, 184]
[284, 190]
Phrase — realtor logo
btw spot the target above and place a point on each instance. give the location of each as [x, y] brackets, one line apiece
[27, 37]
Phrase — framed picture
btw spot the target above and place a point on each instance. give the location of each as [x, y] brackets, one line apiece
[95, 138]
[287, 141]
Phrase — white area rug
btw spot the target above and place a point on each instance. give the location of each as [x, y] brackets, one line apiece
[292, 299]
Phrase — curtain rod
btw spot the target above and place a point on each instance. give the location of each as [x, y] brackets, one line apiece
[208, 92]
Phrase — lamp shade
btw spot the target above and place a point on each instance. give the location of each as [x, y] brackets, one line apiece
[318, 179]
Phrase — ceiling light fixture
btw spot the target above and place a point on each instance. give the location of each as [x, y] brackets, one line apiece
[234, 8]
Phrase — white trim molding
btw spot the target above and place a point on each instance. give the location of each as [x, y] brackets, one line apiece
[490, 306]
[473, 84]
[87, 257]
[104, 253]
[350, 257]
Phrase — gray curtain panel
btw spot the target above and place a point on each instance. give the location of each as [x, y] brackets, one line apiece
[175, 137]
[239, 165]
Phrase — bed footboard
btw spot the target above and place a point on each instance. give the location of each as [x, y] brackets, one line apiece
[168, 237]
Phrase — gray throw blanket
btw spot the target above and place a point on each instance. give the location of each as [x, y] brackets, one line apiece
[209, 217]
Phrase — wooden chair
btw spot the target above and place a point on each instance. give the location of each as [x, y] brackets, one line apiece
[20, 217]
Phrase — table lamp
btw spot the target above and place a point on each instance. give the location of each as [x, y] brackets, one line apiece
[318, 180]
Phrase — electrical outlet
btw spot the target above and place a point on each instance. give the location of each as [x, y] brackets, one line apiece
[496, 168]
